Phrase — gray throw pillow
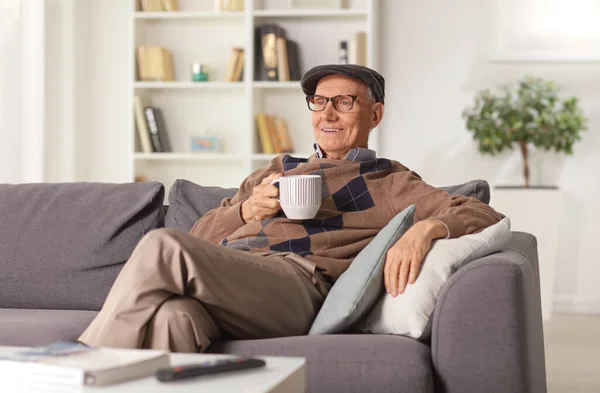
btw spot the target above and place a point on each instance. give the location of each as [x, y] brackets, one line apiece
[189, 201]
[358, 289]
[63, 244]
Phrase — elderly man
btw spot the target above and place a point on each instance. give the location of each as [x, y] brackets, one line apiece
[247, 271]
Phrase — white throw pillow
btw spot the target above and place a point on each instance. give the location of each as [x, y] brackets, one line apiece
[409, 313]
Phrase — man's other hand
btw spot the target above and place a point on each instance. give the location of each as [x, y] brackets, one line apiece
[262, 204]
[403, 259]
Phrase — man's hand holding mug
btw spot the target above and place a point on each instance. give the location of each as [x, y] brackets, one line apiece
[299, 198]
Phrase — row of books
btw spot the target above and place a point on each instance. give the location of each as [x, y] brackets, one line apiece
[273, 134]
[157, 5]
[154, 63]
[277, 57]
[235, 67]
[151, 128]
[229, 5]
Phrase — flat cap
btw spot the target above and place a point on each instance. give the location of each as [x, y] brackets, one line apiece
[364, 74]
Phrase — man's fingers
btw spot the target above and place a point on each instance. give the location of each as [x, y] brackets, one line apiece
[415, 265]
[403, 276]
[270, 178]
[386, 274]
[393, 279]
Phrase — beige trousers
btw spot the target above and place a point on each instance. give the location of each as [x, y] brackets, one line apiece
[182, 293]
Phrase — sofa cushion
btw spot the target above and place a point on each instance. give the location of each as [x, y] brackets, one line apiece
[40, 327]
[62, 245]
[478, 189]
[189, 201]
[361, 285]
[349, 363]
[411, 313]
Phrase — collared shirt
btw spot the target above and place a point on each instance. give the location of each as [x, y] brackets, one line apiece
[355, 154]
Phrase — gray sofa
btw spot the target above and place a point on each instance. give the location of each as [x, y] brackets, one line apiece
[62, 245]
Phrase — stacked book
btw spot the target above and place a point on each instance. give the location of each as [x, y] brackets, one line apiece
[159, 5]
[229, 5]
[151, 128]
[273, 134]
[277, 57]
[235, 67]
[67, 367]
[154, 64]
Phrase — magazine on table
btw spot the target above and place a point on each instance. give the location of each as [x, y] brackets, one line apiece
[71, 364]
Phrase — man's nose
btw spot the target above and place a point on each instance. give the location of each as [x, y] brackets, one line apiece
[329, 113]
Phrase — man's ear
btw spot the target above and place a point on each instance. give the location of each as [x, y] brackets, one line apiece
[377, 114]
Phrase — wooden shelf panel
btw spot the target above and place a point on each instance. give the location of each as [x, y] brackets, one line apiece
[188, 85]
[187, 156]
[276, 85]
[310, 13]
[181, 15]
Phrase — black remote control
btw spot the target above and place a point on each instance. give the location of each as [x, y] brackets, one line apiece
[210, 367]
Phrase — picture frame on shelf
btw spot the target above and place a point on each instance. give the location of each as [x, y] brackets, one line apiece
[205, 144]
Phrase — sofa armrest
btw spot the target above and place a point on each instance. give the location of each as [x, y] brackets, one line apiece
[487, 332]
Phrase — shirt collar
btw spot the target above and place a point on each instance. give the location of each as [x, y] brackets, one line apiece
[355, 154]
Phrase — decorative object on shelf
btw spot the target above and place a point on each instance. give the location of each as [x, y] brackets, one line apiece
[205, 144]
[199, 73]
[343, 53]
[235, 67]
[316, 4]
[154, 64]
[229, 5]
[273, 134]
[529, 113]
[277, 57]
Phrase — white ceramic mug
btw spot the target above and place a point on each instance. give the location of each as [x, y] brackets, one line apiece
[299, 196]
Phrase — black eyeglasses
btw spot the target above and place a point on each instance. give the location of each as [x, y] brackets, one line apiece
[341, 103]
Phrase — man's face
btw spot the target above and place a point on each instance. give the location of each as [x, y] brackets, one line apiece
[337, 132]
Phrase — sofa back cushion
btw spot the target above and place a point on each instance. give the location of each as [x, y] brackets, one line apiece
[62, 245]
[189, 201]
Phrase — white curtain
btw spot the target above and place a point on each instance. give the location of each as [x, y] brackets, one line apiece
[10, 91]
[21, 91]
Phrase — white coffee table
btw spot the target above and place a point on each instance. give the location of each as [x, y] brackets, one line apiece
[280, 375]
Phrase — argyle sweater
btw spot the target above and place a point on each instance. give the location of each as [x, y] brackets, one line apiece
[358, 199]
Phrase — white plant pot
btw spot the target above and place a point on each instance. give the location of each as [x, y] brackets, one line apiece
[536, 211]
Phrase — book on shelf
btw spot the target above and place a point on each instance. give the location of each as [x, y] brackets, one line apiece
[277, 57]
[229, 5]
[357, 49]
[273, 134]
[158, 5]
[141, 125]
[68, 366]
[154, 64]
[235, 67]
[157, 129]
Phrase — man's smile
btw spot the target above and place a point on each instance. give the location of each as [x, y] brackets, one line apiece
[332, 129]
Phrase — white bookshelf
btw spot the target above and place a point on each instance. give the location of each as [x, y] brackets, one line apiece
[197, 33]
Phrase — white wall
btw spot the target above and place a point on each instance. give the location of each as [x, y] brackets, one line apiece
[101, 90]
[434, 58]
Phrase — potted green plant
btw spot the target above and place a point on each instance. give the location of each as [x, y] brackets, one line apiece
[530, 113]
